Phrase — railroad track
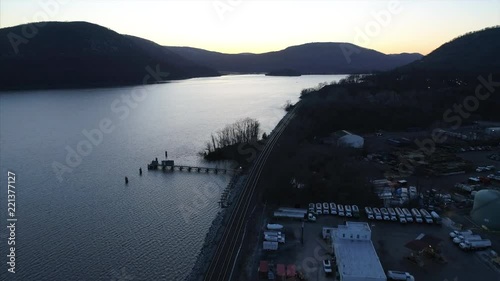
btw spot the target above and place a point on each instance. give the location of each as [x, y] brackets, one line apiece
[222, 265]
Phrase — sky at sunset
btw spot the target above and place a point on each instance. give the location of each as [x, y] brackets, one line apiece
[235, 26]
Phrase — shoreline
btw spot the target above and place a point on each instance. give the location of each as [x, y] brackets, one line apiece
[216, 230]
[214, 234]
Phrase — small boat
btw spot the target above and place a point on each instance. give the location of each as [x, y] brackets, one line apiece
[274, 226]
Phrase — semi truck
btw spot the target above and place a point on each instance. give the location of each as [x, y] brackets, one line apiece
[475, 245]
[463, 238]
[456, 233]
[293, 215]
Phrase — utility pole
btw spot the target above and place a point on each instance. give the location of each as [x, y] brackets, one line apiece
[302, 236]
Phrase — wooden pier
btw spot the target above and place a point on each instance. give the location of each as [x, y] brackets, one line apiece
[168, 165]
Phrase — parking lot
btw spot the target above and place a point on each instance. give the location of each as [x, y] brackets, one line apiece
[389, 239]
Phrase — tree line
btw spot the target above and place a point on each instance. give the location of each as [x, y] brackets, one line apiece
[242, 131]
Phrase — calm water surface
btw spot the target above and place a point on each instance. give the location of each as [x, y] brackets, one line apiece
[85, 223]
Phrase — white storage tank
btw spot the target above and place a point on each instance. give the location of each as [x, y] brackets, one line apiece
[354, 141]
[486, 210]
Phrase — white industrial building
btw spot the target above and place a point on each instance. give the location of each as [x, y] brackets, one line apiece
[356, 257]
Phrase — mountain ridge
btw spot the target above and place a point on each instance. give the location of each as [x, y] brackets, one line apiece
[328, 58]
[82, 54]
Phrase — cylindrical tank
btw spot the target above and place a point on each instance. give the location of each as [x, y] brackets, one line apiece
[486, 210]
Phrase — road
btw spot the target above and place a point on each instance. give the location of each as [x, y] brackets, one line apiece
[223, 263]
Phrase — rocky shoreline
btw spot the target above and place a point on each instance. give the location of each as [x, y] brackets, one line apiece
[214, 233]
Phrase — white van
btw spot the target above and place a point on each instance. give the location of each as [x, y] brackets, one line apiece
[378, 214]
[340, 210]
[348, 211]
[333, 208]
[400, 214]
[319, 209]
[369, 213]
[385, 214]
[427, 216]
[417, 215]
[392, 213]
[326, 208]
[409, 217]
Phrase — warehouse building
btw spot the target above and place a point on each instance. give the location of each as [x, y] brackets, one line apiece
[355, 255]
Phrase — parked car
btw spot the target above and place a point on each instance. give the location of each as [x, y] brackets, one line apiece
[399, 275]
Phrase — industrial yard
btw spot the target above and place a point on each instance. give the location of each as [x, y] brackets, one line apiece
[390, 240]
[458, 179]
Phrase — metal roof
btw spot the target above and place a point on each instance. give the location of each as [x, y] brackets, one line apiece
[358, 258]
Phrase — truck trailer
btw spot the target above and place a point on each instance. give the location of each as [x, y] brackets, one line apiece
[475, 245]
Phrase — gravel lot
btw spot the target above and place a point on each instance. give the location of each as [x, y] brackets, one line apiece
[389, 239]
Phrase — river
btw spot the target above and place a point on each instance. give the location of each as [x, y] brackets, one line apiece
[71, 150]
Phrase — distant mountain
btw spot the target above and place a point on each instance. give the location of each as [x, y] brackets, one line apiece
[81, 54]
[473, 53]
[312, 58]
[283, 72]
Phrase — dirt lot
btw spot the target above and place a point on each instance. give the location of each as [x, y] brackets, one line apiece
[389, 239]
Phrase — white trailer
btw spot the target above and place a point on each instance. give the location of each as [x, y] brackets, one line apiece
[270, 246]
[293, 215]
[456, 233]
[293, 210]
[461, 238]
